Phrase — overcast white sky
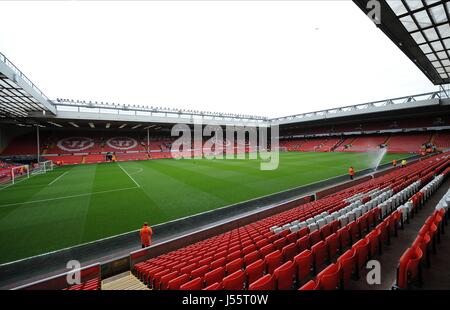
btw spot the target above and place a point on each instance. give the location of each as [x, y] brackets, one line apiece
[267, 58]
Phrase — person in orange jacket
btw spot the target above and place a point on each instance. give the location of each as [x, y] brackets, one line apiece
[351, 172]
[394, 162]
[146, 235]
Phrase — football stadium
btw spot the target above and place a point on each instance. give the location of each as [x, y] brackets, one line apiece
[106, 196]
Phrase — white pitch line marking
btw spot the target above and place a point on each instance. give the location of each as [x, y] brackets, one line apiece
[129, 175]
[138, 171]
[66, 197]
[60, 176]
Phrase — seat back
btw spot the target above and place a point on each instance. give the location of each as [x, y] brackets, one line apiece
[175, 284]
[234, 266]
[309, 286]
[285, 276]
[320, 254]
[235, 281]
[251, 257]
[196, 284]
[255, 270]
[289, 252]
[269, 248]
[273, 260]
[332, 245]
[329, 277]
[264, 283]
[347, 262]
[214, 276]
[304, 263]
[303, 243]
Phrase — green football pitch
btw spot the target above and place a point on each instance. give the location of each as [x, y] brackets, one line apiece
[77, 204]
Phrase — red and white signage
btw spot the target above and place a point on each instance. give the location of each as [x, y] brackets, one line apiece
[122, 143]
[75, 144]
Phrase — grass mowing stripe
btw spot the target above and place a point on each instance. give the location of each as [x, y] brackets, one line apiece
[60, 176]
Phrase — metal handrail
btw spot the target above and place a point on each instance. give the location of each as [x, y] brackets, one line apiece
[374, 104]
[7, 62]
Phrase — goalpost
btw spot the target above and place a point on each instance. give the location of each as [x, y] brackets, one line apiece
[20, 172]
[43, 167]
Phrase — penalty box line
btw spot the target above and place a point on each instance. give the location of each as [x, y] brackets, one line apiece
[137, 184]
[66, 197]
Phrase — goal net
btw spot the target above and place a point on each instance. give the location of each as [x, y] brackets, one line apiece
[43, 167]
[20, 172]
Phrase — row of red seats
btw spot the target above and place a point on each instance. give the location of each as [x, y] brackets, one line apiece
[409, 271]
[416, 257]
[93, 284]
[348, 265]
[338, 274]
[219, 251]
[442, 140]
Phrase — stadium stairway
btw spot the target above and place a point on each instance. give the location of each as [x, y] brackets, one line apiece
[123, 281]
[392, 253]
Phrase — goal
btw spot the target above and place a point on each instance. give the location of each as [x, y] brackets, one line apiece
[43, 167]
[20, 172]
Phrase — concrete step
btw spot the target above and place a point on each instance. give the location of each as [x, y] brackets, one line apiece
[123, 281]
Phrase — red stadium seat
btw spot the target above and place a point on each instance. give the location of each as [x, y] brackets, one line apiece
[233, 256]
[409, 268]
[303, 244]
[214, 276]
[251, 257]
[315, 237]
[264, 283]
[285, 276]
[255, 270]
[213, 287]
[280, 243]
[362, 253]
[344, 238]
[165, 279]
[234, 266]
[175, 284]
[218, 263]
[235, 281]
[292, 237]
[332, 243]
[196, 284]
[329, 278]
[319, 252]
[289, 252]
[374, 242]
[325, 231]
[304, 263]
[354, 231]
[267, 249]
[199, 272]
[273, 261]
[249, 249]
[347, 262]
[303, 232]
[311, 285]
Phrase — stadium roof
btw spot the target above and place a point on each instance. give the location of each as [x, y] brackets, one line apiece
[436, 98]
[421, 29]
[19, 97]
